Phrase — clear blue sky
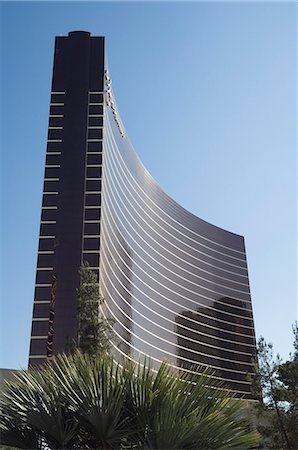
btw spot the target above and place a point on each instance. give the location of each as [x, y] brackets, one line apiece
[207, 93]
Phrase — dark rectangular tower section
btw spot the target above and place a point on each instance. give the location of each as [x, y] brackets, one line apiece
[70, 218]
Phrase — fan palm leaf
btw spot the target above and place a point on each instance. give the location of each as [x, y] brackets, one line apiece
[79, 401]
[186, 412]
[33, 402]
[96, 392]
[16, 434]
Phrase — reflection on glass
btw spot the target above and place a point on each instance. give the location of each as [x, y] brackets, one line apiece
[185, 294]
[122, 267]
[231, 357]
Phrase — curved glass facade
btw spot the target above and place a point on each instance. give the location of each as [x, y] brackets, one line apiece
[176, 286]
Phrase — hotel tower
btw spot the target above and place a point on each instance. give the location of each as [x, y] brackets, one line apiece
[176, 286]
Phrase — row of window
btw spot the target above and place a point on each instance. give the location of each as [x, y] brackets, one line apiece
[152, 348]
[95, 120]
[94, 110]
[132, 171]
[48, 218]
[94, 96]
[91, 245]
[122, 193]
[185, 338]
[92, 185]
[188, 254]
[168, 304]
[147, 321]
[92, 199]
[54, 158]
[168, 267]
[92, 171]
[93, 146]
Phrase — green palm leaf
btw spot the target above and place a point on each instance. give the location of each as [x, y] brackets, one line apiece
[189, 412]
[16, 434]
[79, 401]
[96, 392]
[34, 402]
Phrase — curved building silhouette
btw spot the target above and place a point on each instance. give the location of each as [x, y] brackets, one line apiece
[176, 286]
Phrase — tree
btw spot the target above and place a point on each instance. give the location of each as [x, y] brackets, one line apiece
[276, 386]
[95, 331]
[288, 392]
[81, 401]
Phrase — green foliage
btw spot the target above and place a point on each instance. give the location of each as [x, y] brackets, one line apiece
[80, 401]
[276, 385]
[32, 413]
[189, 412]
[295, 331]
[95, 331]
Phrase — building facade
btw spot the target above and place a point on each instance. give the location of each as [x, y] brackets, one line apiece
[176, 286]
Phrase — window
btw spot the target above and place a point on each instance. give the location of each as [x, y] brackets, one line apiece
[95, 134]
[92, 229]
[91, 244]
[94, 159]
[93, 185]
[92, 214]
[95, 109]
[95, 121]
[93, 172]
[93, 199]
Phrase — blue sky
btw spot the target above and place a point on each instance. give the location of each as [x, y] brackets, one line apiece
[207, 94]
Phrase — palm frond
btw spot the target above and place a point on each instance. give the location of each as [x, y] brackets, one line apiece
[78, 401]
[34, 402]
[96, 393]
[187, 411]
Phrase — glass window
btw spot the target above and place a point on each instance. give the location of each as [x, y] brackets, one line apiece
[56, 109]
[57, 98]
[92, 229]
[54, 147]
[95, 121]
[93, 185]
[46, 244]
[93, 172]
[48, 214]
[50, 186]
[44, 261]
[92, 259]
[52, 172]
[94, 159]
[94, 147]
[55, 134]
[56, 121]
[41, 310]
[42, 294]
[92, 214]
[49, 200]
[53, 159]
[95, 109]
[47, 229]
[93, 199]
[39, 329]
[91, 243]
[95, 134]
[95, 98]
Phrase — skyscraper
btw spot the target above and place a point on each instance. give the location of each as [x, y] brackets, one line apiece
[176, 286]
